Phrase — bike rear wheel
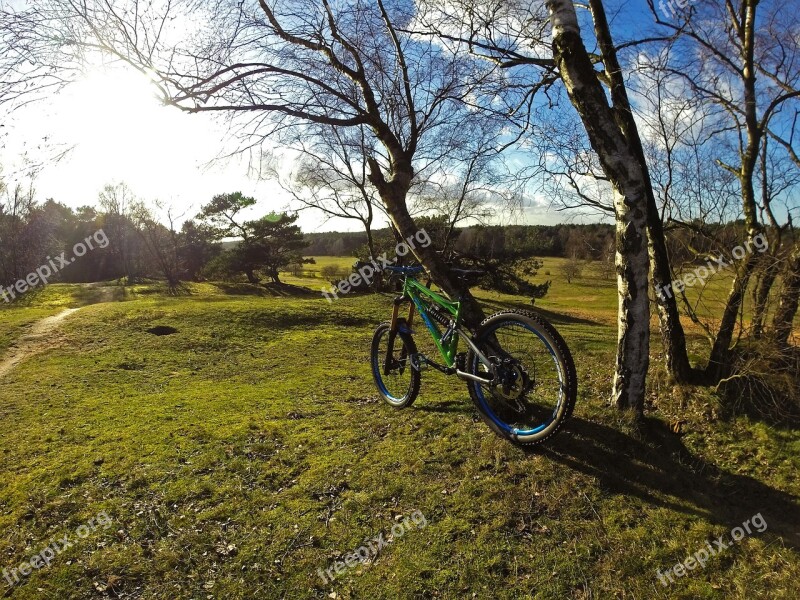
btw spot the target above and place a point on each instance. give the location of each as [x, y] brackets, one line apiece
[535, 384]
[397, 380]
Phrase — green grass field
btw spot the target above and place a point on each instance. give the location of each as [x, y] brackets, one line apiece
[247, 451]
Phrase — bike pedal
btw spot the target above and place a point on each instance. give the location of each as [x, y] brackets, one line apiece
[461, 361]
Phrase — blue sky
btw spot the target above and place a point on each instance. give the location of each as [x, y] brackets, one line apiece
[117, 130]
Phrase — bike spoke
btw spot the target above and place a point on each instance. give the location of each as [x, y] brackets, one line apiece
[528, 386]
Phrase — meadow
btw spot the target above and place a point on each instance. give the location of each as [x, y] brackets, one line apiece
[244, 450]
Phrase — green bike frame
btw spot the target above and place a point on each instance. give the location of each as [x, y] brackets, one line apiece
[448, 315]
[447, 342]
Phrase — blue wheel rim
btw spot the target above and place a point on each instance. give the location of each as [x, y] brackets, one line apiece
[515, 431]
[376, 372]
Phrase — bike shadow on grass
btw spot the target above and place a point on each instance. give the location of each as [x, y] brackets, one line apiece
[447, 407]
[656, 467]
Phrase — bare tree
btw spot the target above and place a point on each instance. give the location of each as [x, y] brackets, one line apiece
[118, 202]
[751, 76]
[17, 210]
[331, 175]
[162, 242]
[280, 66]
[472, 184]
[606, 266]
[777, 178]
[514, 36]
[571, 267]
[790, 295]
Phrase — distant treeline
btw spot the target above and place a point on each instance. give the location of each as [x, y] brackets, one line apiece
[593, 241]
[145, 242]
[139, 241]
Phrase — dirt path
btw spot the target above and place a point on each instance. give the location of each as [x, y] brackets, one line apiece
[39, 339]
[43, 334]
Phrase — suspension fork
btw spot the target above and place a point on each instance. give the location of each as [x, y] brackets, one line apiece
[393, 329]
[396, 313]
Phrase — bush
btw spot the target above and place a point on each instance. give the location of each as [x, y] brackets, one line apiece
[220, 268]
[765, 383]
[295, 268]
[330, 272]
[571, 269]
[508, 273]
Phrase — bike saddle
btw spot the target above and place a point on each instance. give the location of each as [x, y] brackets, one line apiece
[405, 270]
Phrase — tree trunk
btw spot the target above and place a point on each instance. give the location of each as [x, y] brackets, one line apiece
[251, 277]
[370, 242]
[718, 362]
[377, 281]
[630, 203]
[393, 194]
[787, 305]
[761, 295]
[672, 333]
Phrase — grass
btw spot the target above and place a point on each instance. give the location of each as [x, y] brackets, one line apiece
[244, 452]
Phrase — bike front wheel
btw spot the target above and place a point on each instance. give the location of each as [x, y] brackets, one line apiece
[532, 386]
[397, 379]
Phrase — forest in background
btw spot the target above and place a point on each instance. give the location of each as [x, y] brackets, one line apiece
[147, 242]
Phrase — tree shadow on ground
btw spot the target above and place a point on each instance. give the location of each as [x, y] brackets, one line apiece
[659, 469]
[265, 290]
[553, 317]
[289, 290]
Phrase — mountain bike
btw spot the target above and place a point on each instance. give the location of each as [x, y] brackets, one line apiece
[518, 369]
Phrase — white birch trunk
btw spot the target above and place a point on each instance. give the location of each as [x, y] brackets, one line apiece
[630, 203]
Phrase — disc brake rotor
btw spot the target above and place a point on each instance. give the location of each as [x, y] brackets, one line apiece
[511, 385]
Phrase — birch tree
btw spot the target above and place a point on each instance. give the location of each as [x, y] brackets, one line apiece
[628, 181]
[750, 74]
[515, 37]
